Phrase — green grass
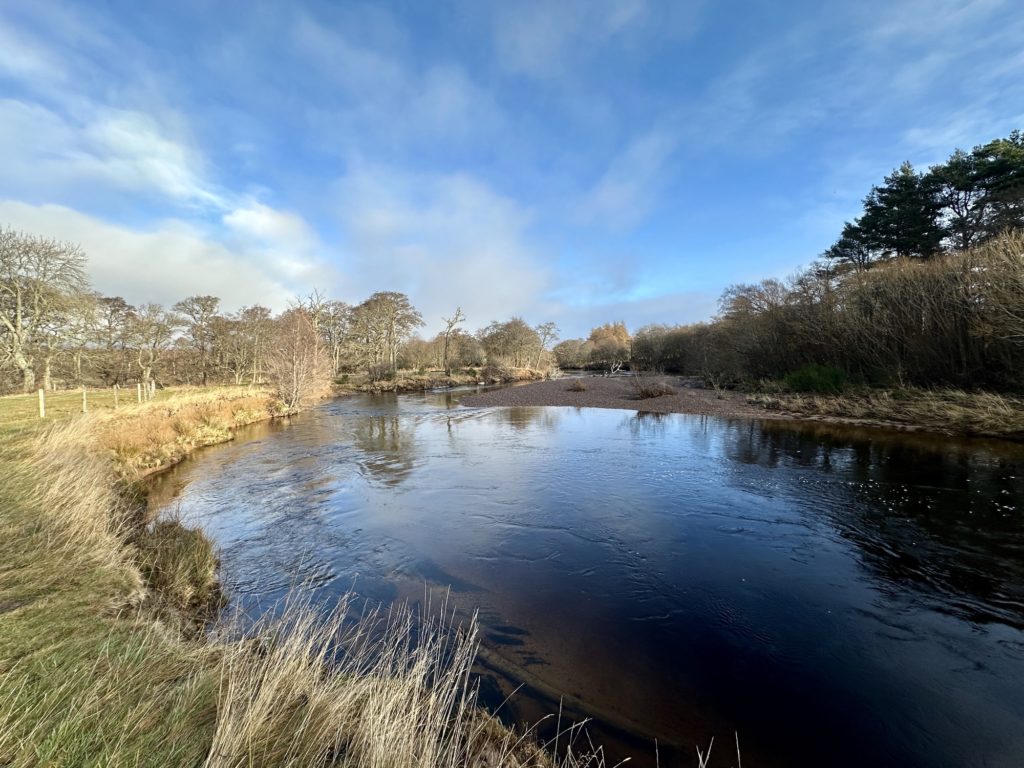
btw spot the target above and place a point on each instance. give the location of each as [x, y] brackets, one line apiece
[18, 412]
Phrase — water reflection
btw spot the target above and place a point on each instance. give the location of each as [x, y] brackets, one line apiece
[674, 577]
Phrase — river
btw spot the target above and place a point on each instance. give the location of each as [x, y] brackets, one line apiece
[833, 596]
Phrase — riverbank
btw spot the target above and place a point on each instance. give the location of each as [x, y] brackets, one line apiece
[407, 381]
[102, 657]
[943, 411]
[949, 412]
[622, 392]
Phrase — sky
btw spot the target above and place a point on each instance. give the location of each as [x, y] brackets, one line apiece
[578, 161]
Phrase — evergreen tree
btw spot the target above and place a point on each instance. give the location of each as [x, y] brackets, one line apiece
[901, 217]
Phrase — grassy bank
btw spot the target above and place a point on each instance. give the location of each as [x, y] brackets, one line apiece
[101, 663]
[946, 411]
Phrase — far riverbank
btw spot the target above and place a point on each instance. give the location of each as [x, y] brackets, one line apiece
[948, 412]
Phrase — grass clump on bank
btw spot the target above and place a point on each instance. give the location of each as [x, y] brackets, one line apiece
[948, 411]
[96, 670]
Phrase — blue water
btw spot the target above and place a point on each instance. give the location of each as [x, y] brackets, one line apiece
[835, 597]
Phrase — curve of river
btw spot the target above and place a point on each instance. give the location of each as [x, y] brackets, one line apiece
[835, 596]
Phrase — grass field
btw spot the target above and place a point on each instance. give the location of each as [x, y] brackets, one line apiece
[21, 412]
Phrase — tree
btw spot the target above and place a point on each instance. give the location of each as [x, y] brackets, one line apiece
[113, 314]
[381, 324]
[449, 326]
[336, 330]
[297, 365]
[609, 345]
[853, 248]
[546, 333]
[570, 354]
[199, 313]
[902, 216]
[513, 342]
[150, 331]
[1000, 173]
[38, 276]
[961, 198]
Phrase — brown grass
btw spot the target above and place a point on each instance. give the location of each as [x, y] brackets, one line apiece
[647, 388]
[948, 411]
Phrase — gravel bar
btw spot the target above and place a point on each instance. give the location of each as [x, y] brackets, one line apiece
[621, 392]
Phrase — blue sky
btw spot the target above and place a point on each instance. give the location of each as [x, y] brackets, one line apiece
[580, 161]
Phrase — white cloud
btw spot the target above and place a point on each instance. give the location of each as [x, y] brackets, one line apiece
[164, 263]
[383, 96]
[445, 240]
[552, 41]
[104, 150]
[628, 188]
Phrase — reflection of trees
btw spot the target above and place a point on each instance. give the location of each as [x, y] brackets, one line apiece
[939, 518]
[524, 416]
[647, 424]
[388, 450]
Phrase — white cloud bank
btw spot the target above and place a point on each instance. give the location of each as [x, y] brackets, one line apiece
[168, 262]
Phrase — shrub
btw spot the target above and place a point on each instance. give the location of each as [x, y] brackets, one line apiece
[646, 389]
[822, 379]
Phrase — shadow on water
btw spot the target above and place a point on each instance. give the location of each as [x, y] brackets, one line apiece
[839, 596]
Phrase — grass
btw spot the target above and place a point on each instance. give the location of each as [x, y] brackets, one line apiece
[948, 411]
[92, 672]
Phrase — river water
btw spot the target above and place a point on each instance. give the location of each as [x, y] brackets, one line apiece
[833, 596]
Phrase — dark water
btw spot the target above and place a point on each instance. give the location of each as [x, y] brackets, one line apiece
[836, 597]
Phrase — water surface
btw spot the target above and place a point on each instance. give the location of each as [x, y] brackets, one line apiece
[837, 597]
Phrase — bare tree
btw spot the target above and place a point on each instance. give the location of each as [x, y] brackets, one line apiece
[151, 331]
[199, 313]
[381, 324]
[297, 364]
[36, 276]
[547, 333]
[449, 326]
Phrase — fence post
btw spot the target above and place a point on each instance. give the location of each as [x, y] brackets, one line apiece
[116, 388]
[85, 405]
[42, 404]
[138, 391]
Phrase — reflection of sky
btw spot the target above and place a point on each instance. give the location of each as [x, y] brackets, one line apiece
[649, 563]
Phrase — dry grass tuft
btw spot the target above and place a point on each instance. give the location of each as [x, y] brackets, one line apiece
[646, 388]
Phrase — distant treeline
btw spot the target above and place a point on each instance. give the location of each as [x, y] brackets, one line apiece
[56, 332]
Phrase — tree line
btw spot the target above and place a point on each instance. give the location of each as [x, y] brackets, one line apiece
[55, 331]
[925, 287]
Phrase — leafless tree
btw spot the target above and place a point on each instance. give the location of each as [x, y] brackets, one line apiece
[198, 313]
[297, 364]
[449, 326]
[37, 275]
